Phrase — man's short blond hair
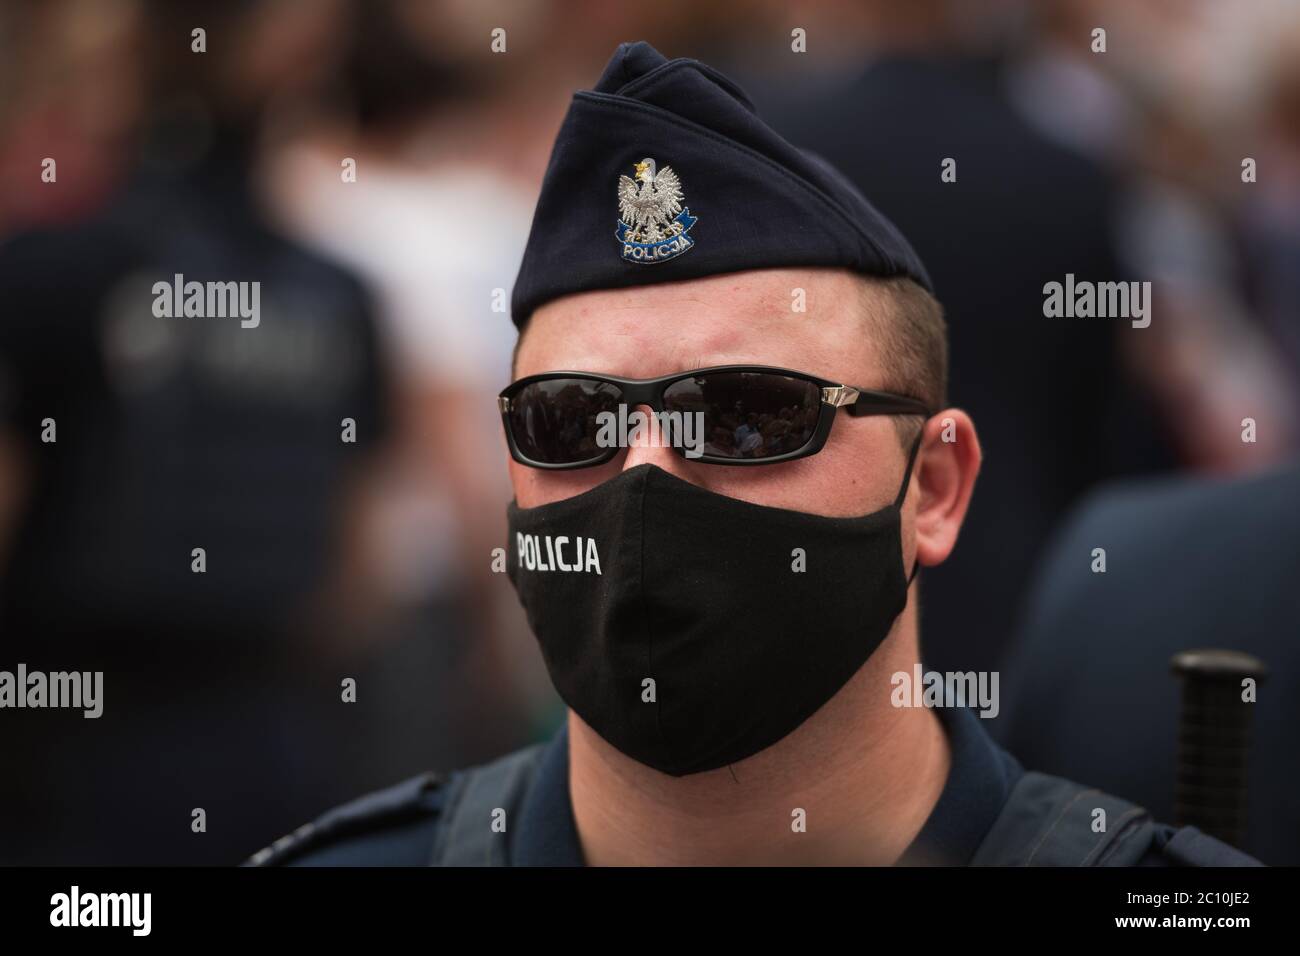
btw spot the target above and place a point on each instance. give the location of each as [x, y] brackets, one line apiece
[908, 326]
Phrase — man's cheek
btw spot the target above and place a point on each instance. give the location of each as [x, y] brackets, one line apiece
[537, 486]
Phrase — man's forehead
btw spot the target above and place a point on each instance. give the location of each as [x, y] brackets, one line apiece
[807, 319]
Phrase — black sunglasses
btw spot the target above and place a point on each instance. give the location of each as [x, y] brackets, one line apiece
[726, 415]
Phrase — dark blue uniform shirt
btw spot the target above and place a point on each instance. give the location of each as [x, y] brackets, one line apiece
[979, 783]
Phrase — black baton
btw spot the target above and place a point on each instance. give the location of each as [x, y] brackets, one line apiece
[1214, 740]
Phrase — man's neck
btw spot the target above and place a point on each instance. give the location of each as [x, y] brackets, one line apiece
[853, 785]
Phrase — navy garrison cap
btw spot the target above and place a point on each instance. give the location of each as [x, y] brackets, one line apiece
[665, 172]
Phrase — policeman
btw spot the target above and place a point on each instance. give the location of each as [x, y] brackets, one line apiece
[727, 600]
[175, 374]
[1192, 564]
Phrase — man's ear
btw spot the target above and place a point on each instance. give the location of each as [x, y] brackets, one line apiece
[946, 468]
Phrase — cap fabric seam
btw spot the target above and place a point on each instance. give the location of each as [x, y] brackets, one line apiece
[648, 81]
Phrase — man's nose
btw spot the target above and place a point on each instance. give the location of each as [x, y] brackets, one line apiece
[652, 446]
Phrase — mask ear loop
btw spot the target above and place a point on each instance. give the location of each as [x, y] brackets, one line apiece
[902, 492]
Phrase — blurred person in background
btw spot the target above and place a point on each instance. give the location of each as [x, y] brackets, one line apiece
[1192, 563]
[1173, 108]
[68, 87]
[132, 439]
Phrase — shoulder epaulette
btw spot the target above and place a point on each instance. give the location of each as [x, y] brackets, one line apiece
[1049, 821]
[407, 801]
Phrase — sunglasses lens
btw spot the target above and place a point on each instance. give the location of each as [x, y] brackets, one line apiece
[750, 415]
[553, 422]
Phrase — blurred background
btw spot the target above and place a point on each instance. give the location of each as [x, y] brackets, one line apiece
[372, 559]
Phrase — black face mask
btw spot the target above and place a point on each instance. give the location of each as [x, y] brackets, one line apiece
[674, 622]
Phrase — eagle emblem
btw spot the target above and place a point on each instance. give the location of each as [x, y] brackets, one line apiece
[653, 224]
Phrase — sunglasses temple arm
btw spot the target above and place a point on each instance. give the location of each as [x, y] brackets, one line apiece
[886, 405]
